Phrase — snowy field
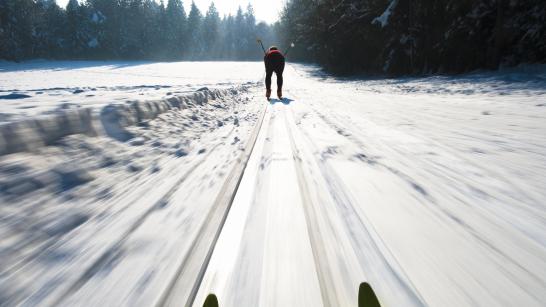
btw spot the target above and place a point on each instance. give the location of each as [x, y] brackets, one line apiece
[430, 189]
[39, 87]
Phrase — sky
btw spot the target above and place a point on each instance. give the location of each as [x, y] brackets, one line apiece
[265, 10]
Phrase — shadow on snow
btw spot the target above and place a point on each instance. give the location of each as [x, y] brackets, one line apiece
[285, 101]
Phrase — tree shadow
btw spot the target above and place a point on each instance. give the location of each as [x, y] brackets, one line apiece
[285, 101]
[505, 81]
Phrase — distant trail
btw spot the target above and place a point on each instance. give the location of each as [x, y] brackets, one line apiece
[320, 234]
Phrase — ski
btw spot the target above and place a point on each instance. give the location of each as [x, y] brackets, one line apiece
[211, 301]
[366, 296]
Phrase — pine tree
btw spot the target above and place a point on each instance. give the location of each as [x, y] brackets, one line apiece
[151, 38]
[239, 39]
[73, 26]
[211, 32]
[249, 32]
[229, 47]
[18, 28]
[176, 28]
[49, 23]
[102, 27]
[194, 40]
[132, 29]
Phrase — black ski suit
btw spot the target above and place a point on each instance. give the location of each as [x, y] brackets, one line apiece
[274, 62]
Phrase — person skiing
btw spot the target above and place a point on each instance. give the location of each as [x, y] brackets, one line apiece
[274, 62]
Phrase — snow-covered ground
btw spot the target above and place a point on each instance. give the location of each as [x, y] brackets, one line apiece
[430, 189]
[39, 87]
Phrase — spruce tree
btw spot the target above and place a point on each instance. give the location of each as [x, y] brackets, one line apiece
[229, 34]
[211, 34]
[175, 28]
[151, 37]
[73, 25]
[194, 39]
[49, 20]
[16, 34]
[239, 35]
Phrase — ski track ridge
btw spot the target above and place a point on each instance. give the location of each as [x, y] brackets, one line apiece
[324, 274]
[225, 196]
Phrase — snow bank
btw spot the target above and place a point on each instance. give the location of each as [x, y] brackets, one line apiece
[69, 206]
[29, 134]
[25, 93]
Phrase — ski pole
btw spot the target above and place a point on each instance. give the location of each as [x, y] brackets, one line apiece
[292, 45]
[261, 44]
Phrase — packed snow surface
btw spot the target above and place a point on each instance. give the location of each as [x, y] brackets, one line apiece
[430, 189]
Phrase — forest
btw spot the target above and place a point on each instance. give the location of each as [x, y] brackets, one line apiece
[415, 36]
[390, 37]
[127, 29]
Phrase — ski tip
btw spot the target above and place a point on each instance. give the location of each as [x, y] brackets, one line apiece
[366, 296]
[211, 301]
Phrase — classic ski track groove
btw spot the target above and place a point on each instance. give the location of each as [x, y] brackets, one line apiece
[328, 293]
[224, 198]
[340, 194]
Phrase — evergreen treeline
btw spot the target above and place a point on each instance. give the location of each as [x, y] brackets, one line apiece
[415, 36]
[126, 29]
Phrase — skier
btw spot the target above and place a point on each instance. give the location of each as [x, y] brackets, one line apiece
[274, 62]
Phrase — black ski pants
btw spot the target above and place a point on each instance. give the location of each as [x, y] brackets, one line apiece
[278, 69]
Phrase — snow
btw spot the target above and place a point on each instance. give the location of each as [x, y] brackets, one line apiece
[431, 189]
[383, 20]
[61, 85]
[406, 184]
[88, 198]
[98, 17]
[93, 43]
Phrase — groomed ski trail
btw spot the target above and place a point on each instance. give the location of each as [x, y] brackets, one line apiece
[333, 197]
[434, 197]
